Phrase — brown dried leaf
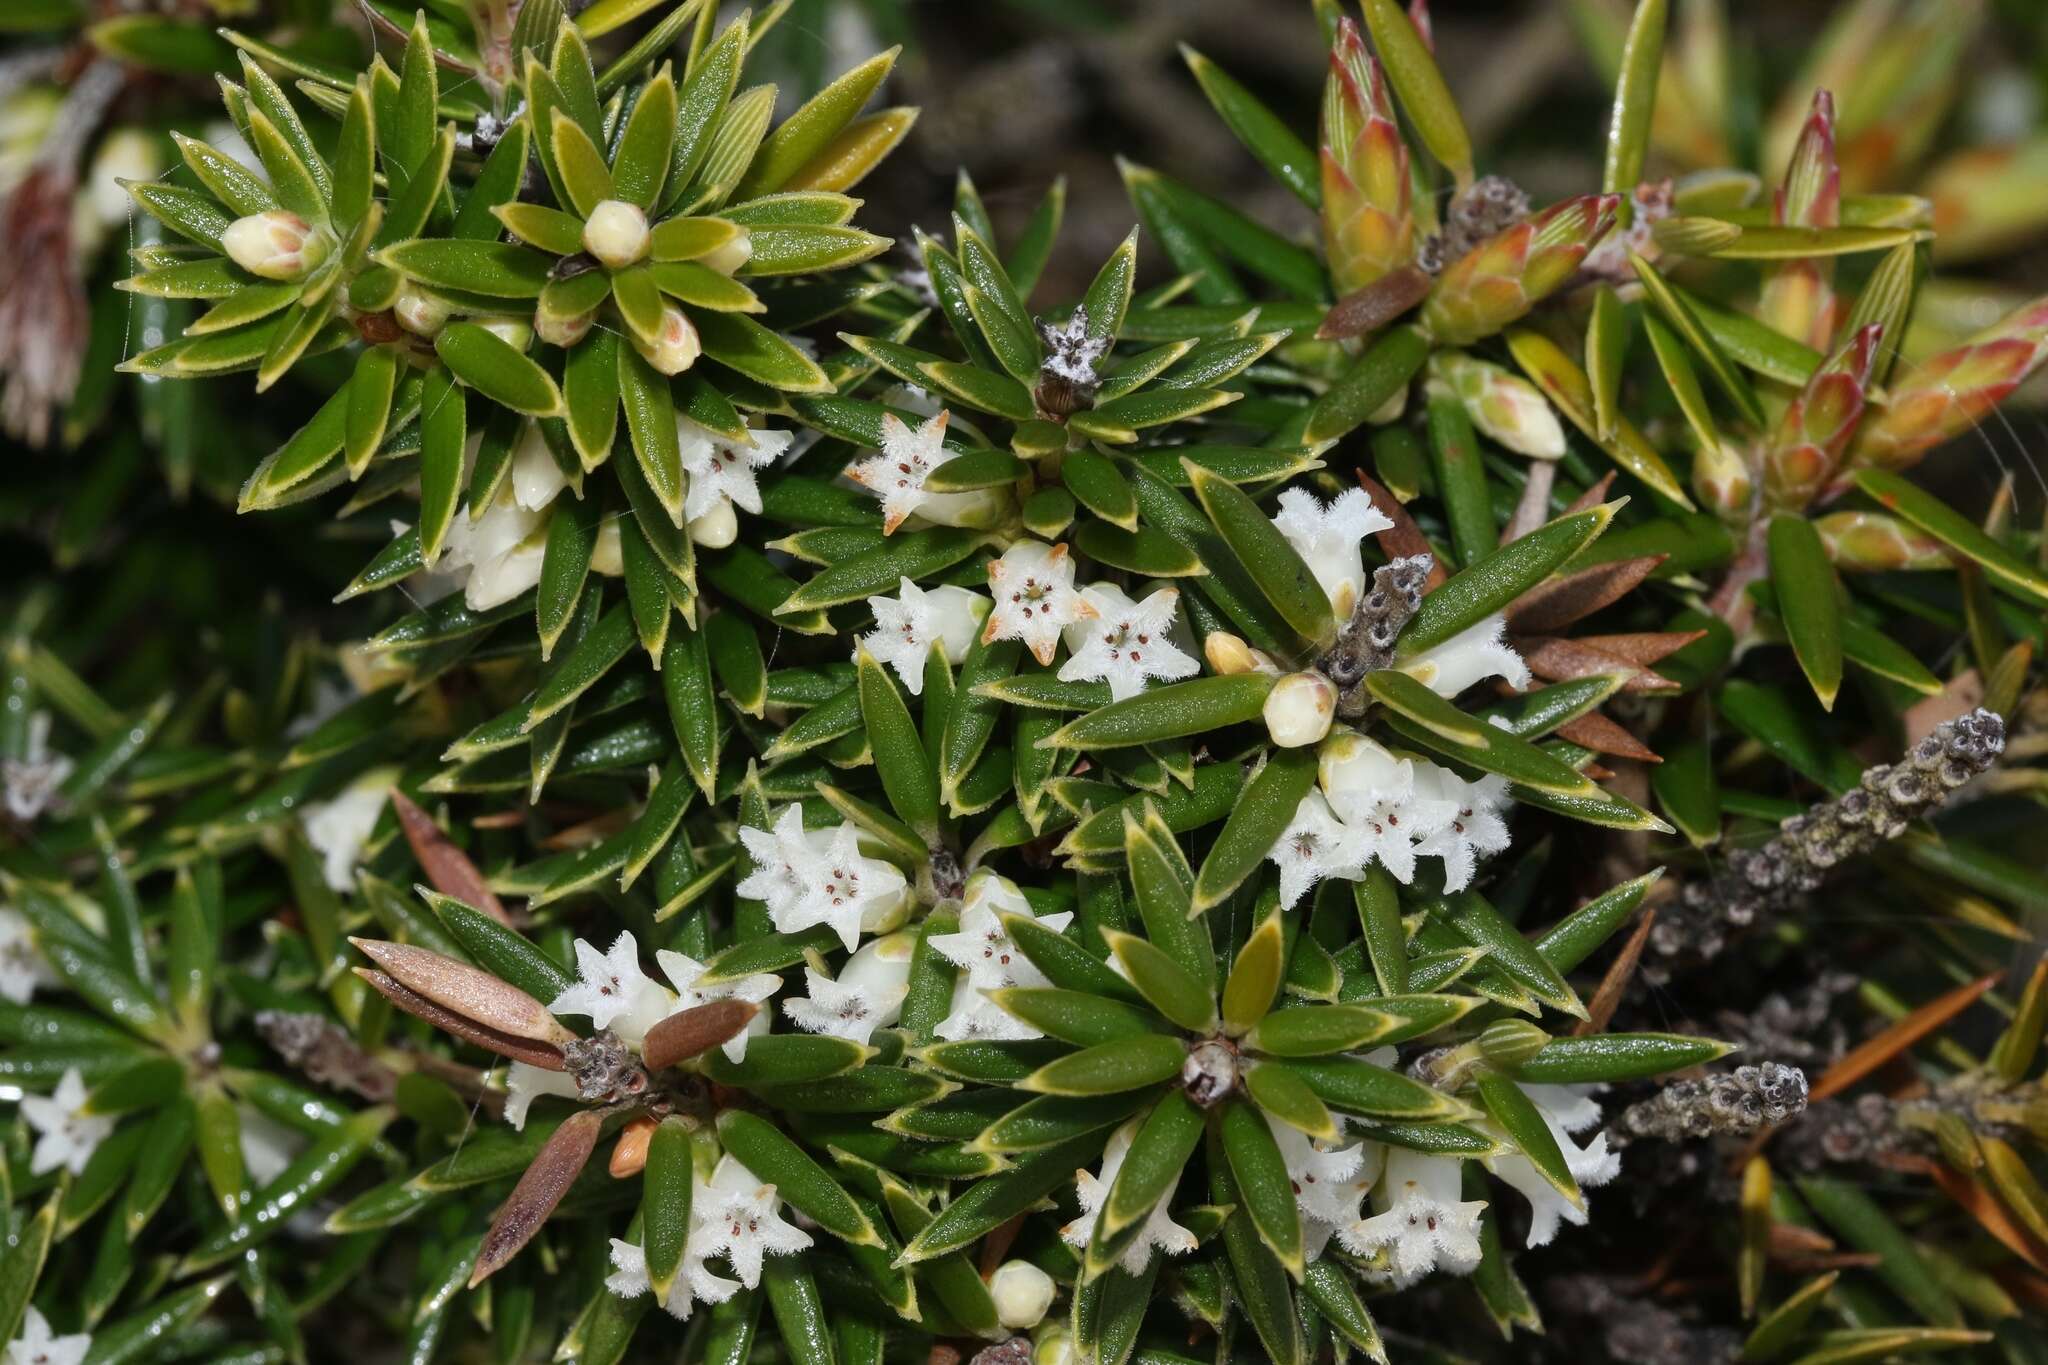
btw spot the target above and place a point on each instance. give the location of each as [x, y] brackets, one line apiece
[1555, 659]
[543, 1055]
[1404, 537]
[446, 866]
[1982, 1205]
[497, 1005]
[1377, 304]
[1643, 648]
[1789, 1239]
[554, 1169]
[1551, 606]
[1962, 694]
[1603, 736]
[1875, 1052]
[700, 1028]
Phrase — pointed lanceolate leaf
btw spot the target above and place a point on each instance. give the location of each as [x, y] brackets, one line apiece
[900, 758]
[1174, 711]
[1808, 601]
[539, 1190]
[1269, 802]
[1167, 986]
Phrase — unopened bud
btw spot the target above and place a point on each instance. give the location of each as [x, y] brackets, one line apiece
[1055, 1346]
[1022, 1293]
[717, 528]
[1226, 653]
[675, 346]
[1299, 708]
[1506, 407]
[562, 331]
[629, 1157]
[419, 312]
[277, 245]
[606, 557]
[1722, 482]
[616, 233]
[513, 332]
[1511, 1042]
[729, 258]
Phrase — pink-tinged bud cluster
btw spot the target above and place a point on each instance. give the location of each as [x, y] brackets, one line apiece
[276, 245]
[1367, 224]
[1500, 280]
[1807, 448]
[1877, 542]
[1946, 395]
[1799, 297]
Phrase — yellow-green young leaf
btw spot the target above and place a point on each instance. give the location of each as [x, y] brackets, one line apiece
[2012, 1056]
[1285, 1096]
[1956, 531]
[489, 364]
[811, 129]
[1269, 803]
[1606, 353]
[550, 229]
[2017, 1185]
[686, 239]
[1809, 603]
[1186, 1000]
[228, 180]
[291, 179]
[1672, 359]
[1152, 1167]
[1255, 977]
[1083, 1020]
[1265, 1188]
[1635, 99]
[1266, 1291]
[1266, 555]
[900, 758]
[641, 163]
[1491, 585]
[1319, 1030]
[1796, 243]
[1368, 386]
[370, 391]
[806, 248]
[1420, 87]
[502, 270]
[1784, 1324]
[847, 159]
[1519, 1118]
[1109, 294]
[1174, 711]
[807, 1187]
[1681, 318]
[1567, 387]
[1111, 1068]
[1264, 134]
[1164, 884]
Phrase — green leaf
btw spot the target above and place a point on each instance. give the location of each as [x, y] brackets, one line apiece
[1608, 1057]
[1518, 1117]
[900, 758]
[1186, 1000]
[1265, 1289]
[1265, 1189]
[322, 1165]
[807, 132]
[1485, 927]
[1380, 374]
[1083, 1020]
[994, 1200]
[1809, 602]
[1635, 99]
[1111, 1068]
[1862, 1222]
[1267, 556]
[1175, 711]
[1568, 389]
[490, 365]
[1163, 885]
[1954, 530]
[914, 555]
[1674, 311]
[641, 162]
[1098, 486]
[801, 1181]
[1354, 1087]
[1268, 805]
[743, 345]
[1151, 1168]
[503, 270]
[1254, 979]
[1264, 134]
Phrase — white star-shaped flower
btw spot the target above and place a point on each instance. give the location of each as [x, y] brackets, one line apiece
[30, 782]
[525, 1083]
[908, 457]
[982, 945]
[722, 469]
[1478, 652]
[66, 1138]
[1472, 829]
[740, 1217]
[786, 861]
[1033, 585]
[1159, 1230]
[694, 1283]
[1315, 845]
[847, 891]
[1328, 1185]
[973, 1017]
[1377, 797]
[339, 828]
[908, 624]
[867, 995]
[1126, 644]
[613, 992]
[1590, 1165]
[684, 971]
[1328, 537]
[22, 967]
[1425, 1224]
[38, 1346]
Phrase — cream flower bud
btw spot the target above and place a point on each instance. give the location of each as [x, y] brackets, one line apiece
[276, 245]
[419, 312]
[675, 347]
[1022, 1293]
[616, 233]
[606, 557]
[1055, 1346]
[730, 257]
[563, 332]
[717, 528]
[1298, 709]
[1227, 654]
[537, 479]
[512, 331]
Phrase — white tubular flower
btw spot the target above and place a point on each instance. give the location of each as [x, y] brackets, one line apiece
[616, 233]
[982, 945]
[1474, 654]
[675, 347]
[66, 1138]
[1425, 1224]
[1590, 1165]
[868, 994]
[1472, 829]
[1159, 1230]
[1377, 798]
[267, 1145]
[1315, 845]
[37, 1345]
[910, 623]
[1328, 1185]
[717, 528]
[907, 458]
[741, 1217]
[338, 828]
[22, 967]
[973, 1016]
[524, 1084]
[613, 992]
[1126, 644]
[1033, 585]
[694, 1282]
[30, 783]
[500, 551]
[1328, 537]
[722, 470]
[277, 244]
[684, 972]
[786, 864]
[1022, 1294]
[536, 478]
